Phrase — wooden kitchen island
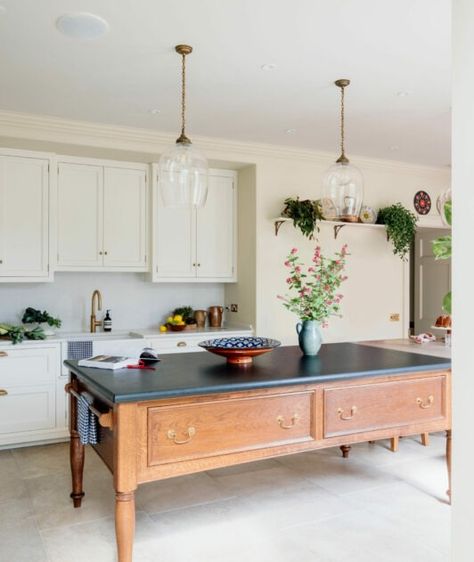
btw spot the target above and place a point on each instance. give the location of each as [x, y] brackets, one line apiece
[196, 413]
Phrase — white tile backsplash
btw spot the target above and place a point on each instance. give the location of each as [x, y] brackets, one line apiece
[134, 302]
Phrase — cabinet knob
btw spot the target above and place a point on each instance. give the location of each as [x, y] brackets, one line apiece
[181, 344]
[105, 253]
[3, 392]
[3, 354]
[100, 253]
[1, 261]
[199, 265]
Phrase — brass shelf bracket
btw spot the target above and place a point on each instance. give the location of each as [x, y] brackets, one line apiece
[278, 224]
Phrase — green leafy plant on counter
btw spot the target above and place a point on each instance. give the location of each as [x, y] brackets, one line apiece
[442, 250]
[18, 333]
[186, 313]
[400, 224]
[33, 316]
[305, 214]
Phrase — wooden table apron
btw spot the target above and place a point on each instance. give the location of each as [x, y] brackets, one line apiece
[157, 439]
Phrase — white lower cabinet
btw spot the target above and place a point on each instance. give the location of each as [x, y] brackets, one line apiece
[32, 407]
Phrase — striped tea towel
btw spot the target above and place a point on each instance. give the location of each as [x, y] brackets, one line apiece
[86, 420]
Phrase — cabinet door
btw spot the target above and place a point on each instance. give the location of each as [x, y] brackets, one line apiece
[80, 216]
[125, 218]
[24, 198]
[175, 235]
[215, 253]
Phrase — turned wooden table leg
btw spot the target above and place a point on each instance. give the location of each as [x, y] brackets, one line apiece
[76, 451]
[345, 451]
[124, 524]
[394, 444]
[448, 461]
[425, 439]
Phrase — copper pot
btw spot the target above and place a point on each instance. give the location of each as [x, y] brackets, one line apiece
[215, 316]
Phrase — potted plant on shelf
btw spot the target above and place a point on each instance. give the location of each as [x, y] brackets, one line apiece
[314, 294]
[305, 214]
[400, 224]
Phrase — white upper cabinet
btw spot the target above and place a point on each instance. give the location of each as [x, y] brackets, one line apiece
[102, 217]
[197, 245]
[215, 235]
[24, 218]
[125, 204]
[80, 209]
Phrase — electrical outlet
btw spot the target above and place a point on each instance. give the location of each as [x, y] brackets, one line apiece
[234, 308]
[395, 317]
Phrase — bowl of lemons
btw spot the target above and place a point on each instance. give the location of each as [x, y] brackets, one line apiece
[175, 323]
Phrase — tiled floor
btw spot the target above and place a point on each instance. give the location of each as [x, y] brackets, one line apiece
[375, 506]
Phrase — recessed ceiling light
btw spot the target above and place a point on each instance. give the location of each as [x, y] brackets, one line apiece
[154, 111]
[268, 66]
[290, 131]
[82, 25]
[394, 147]
[403, 93]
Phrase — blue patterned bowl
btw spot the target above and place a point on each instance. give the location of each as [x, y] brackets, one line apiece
[239, 351]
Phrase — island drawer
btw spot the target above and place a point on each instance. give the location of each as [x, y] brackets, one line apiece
[190, 431]
[28, 366]
[374, 406]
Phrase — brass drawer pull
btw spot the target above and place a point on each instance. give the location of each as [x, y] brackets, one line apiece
[426, 404]
[281, 421]
[3, 392]
[181, 344]
[191, 432]
[3, 354]
[340, 413]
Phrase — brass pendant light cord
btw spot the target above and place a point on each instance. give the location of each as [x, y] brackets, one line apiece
[183, 50]
[343, 155]
[342, 83]
[183, 95]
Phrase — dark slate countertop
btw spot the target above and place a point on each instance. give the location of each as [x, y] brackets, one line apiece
[186, 374]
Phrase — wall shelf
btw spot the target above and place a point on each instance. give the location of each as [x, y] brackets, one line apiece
[337, 225]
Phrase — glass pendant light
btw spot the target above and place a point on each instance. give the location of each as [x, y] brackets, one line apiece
[343, 184]
[182, 169]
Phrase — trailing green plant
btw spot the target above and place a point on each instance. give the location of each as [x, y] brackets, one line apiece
[305, 214]
[442, 251]
[33, 316]
[18, 333]
[400, 224]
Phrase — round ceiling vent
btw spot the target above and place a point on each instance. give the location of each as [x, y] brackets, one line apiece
[82, 25]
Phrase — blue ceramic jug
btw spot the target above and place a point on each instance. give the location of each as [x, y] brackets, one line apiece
[309, 337]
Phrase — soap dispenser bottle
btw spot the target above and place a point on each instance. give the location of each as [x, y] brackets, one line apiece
[107, 325]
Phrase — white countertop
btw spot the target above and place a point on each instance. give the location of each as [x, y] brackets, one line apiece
[116, 335]
[436, 348]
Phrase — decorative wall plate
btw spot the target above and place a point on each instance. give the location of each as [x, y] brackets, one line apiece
[422, 202]
[367, 215]
[239, 351]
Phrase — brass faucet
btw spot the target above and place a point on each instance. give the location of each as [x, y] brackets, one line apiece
[94, 321]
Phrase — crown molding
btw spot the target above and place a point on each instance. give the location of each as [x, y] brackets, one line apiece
[84, 133]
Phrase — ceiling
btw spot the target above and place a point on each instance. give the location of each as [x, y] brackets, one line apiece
[383, 46]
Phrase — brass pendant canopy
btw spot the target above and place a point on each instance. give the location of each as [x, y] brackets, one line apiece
[183, 170]
[343, 182]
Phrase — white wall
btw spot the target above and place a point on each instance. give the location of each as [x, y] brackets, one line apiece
[463, 274]
[378, 280]
[134, 302]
